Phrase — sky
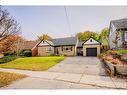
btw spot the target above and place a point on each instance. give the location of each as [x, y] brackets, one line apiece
[64, 21]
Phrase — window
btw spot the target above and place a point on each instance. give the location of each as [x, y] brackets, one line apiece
[125, 35]
[49, 49]
[67, 48]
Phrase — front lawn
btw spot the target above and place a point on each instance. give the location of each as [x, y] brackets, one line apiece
[33, 63]
[7, 78]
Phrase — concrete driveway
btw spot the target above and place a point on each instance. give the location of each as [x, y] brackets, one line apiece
[80, 65]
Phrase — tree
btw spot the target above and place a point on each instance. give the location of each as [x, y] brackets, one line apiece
[104, 36]
[44, 37]
[17, 44]
[8, 25]
[83, 36]
[9, 44]
[117, 38]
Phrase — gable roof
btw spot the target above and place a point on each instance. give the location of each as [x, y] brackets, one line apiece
[120, 23]
[91, 41]
[64, 41]
[45, 43]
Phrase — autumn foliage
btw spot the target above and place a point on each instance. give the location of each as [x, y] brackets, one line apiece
[9, 43]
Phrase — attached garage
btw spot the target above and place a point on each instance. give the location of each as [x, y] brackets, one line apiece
[91, 47]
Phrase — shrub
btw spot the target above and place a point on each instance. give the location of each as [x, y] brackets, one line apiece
[9, 53]
[27, 53]
[21, 53]
[7, 59]
[116, 56]
[112, 53]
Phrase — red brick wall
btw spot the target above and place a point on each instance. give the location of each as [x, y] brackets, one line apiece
[34, 51]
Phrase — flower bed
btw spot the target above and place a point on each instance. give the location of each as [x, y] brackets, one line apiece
[113, 56]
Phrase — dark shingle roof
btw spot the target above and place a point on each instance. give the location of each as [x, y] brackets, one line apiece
[64, 41]
[120, 24]
[80, 44]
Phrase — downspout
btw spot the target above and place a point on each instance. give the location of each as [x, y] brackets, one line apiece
[76, 47]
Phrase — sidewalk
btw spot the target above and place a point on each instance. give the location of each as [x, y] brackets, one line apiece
[70, 79]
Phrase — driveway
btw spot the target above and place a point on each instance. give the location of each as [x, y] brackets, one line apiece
[80, 65]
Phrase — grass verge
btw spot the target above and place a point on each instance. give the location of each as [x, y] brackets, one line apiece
[8, 78]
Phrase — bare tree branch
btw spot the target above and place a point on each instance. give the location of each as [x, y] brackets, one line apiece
[8, 25]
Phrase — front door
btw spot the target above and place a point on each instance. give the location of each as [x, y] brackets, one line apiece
[57, 51]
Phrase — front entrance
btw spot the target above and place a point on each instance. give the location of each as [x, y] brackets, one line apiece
[91, 51]
[57, 51]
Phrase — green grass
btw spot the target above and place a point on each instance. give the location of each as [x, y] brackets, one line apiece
[8, 78]
[122, 51]
[33, 63]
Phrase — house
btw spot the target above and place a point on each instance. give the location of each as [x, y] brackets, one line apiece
[60, 46]
[68, 46]
[115, 26]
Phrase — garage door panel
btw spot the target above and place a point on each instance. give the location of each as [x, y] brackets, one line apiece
[91, 51]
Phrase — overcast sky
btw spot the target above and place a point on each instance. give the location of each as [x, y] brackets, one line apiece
[52, 20]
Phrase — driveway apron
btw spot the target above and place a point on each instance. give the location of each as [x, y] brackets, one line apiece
[80, 65]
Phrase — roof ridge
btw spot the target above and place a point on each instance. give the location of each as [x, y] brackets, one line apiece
[64, 38]
[119, 19]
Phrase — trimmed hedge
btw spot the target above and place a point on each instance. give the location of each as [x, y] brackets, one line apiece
[9, 53]
[27, 53]
[6, 59]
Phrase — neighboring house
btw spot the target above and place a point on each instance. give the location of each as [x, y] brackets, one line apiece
[29, 45]
[69, 46]
[115, 26]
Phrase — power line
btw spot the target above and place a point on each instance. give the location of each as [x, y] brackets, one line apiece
[67, 19]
